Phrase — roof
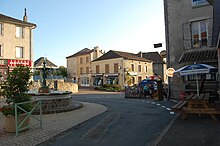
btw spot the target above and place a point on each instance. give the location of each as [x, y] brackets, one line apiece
[8, 19]
[39, 63]
[118, 54]
[153, 56]
[82, 52]
[199, 56]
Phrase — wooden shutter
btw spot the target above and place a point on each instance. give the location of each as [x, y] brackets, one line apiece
[209, 26]
[187, 37]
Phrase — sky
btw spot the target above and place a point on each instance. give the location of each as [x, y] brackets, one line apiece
[65, 27]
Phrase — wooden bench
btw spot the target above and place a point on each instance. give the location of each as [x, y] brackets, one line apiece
[194, 104]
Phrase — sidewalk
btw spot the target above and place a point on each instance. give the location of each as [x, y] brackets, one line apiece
[194, 131]
[52, 124]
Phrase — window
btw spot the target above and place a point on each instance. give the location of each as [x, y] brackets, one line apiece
[97, 69]
[19, 52]
[133, 80]
[139, 68]
[87, 70]
[199, 34]
[145, 68]
[139, 79]
[81, 60]
[1, 29]
[81, 70]
[19, 32]
[1, 51]
[87, 59]
[116, 68]
[132, 67]
[107, 68]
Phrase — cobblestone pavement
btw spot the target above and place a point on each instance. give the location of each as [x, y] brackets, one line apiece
[53, 124]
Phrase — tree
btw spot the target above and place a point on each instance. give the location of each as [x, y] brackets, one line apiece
[63, 71]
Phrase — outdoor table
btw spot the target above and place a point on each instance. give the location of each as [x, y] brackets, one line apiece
[194, 104]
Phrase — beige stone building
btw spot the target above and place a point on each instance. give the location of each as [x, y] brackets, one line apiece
[79, 65]
[114, 66]
[16, 42]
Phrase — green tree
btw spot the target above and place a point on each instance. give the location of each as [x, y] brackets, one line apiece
[63, 71]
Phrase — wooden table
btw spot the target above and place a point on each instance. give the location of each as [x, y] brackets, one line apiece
[194, 104]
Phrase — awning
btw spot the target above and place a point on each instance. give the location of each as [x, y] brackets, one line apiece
[199, 56]
[111, 75]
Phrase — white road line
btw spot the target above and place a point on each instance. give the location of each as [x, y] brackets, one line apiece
[172, 113]
[168, 109]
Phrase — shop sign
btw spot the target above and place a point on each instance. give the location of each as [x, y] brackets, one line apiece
[170, 72]
[13, 62]
[198, 3]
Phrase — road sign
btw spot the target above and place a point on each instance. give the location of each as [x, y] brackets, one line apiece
[170, 71]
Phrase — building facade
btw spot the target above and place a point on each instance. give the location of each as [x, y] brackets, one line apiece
[159, 66]
[189, 39]
[79, 65]
[117, 67]
[16, 42]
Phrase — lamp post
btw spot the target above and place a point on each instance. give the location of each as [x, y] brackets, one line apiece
[44, 73]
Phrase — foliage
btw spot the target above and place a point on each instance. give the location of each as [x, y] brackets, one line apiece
[14, 89]
[128, 79]
[36, 72]
[63, 71]
[110, 87]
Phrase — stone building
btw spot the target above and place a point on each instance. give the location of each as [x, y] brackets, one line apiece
[216, 28]
[16, 42]
[114, 66]
[79, 65]
[189, 39]
[159, 66]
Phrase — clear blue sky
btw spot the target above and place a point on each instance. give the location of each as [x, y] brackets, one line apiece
[64, 27]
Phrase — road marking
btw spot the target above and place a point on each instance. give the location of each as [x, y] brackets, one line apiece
[163, 106]
[158, 104]
[172, 113]
[168, 109]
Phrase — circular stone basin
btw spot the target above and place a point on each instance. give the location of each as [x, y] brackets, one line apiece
[55, 102]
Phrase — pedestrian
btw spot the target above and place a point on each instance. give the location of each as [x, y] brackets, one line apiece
[146, 90]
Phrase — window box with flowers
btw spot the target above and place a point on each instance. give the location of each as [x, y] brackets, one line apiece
[14, 90]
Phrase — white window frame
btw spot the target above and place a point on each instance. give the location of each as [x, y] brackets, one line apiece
[19, 32]
[199, 33]
[19, 52]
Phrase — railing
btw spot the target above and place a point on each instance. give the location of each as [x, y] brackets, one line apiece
[27, 116]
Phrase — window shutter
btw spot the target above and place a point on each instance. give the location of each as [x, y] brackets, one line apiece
[187, 35]
[209, 25]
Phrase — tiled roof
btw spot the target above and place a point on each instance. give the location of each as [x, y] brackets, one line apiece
[154, 56]
[13, 20]
[39, 63]
[199, 56]
[82, 52]
[118, 54]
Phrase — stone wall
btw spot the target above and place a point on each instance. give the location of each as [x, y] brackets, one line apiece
[61, 86]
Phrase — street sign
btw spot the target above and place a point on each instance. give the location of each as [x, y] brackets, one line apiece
[170, 71]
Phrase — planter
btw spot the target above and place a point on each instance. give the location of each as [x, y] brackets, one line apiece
[10, 122]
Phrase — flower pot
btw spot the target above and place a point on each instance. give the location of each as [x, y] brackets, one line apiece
[10, 122]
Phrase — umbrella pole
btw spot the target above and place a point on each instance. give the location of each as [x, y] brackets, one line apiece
[197, 85]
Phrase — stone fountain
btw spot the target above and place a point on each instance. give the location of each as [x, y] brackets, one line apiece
[53, 101]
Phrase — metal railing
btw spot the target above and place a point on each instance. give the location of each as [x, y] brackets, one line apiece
[20, 125]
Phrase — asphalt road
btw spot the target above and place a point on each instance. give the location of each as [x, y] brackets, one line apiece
[127, 122]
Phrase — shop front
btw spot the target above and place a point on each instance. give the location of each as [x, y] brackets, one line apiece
[111, 79]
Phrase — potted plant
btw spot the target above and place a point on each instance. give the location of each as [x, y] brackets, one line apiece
[14, 90]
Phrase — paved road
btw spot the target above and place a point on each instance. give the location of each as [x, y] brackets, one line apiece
[127, 122]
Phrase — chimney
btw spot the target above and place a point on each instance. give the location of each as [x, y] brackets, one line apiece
[141, 54]
[25, 15]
